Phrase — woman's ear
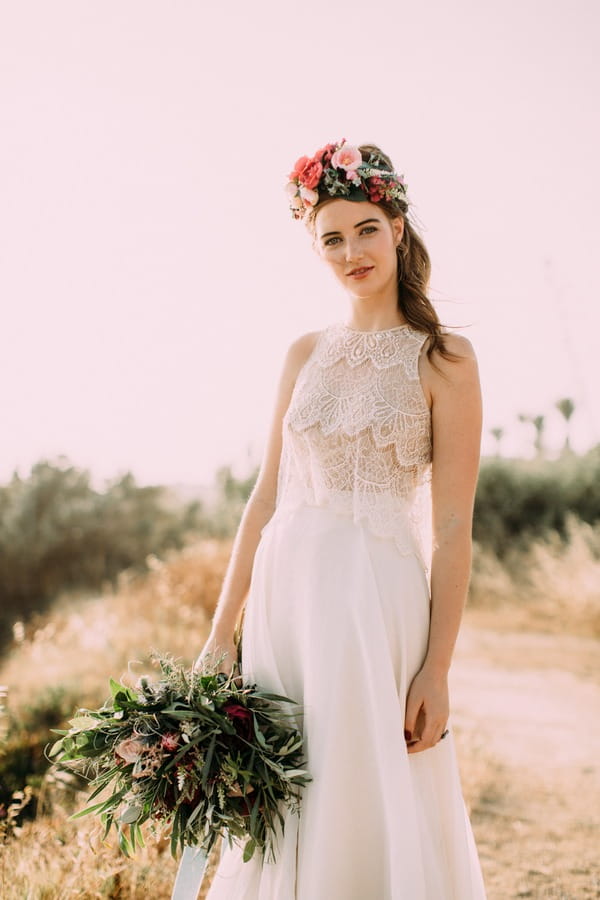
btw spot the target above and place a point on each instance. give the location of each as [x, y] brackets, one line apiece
[398, 226]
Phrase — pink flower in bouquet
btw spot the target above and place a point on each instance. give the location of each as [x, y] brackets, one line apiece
[241, 718]
[169, 741]
[130, 749]
[348, 158]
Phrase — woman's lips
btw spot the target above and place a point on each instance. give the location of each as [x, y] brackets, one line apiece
[361, 273]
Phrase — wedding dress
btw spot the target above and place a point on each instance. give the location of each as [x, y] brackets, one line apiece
[337, 618]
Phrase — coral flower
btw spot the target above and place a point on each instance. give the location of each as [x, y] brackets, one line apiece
[307, 172]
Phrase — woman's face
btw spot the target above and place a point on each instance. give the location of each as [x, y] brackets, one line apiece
[358, 241]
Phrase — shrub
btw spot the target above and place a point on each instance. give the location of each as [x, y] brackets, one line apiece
[57, 534]
[521, 500]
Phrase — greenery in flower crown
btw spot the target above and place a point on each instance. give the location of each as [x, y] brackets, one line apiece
[198, 753]
[340, 170]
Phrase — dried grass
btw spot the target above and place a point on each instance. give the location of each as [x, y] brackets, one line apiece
[531, 841]
[82, 642]
[550, 585]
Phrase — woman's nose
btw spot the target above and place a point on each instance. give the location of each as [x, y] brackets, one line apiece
[353, 250]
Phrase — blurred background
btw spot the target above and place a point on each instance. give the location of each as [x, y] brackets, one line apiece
[152, 279]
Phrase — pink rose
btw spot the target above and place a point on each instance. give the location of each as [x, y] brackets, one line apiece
[347, 157]
[309, 197]
[130, 749]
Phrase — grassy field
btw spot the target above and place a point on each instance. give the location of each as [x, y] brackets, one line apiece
[525, 685]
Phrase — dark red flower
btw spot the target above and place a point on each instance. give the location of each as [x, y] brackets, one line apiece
[240, 717]
[376, 189]
[325, 154]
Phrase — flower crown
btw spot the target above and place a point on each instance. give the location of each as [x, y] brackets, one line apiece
[340, 170]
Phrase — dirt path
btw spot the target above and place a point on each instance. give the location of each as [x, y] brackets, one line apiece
[526, 713]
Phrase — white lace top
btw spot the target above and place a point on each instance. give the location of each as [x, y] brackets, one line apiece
[357, 434]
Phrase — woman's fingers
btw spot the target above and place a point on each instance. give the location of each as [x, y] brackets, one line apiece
[217, 655]
[431, 732]
[414, 707]
[425, 742]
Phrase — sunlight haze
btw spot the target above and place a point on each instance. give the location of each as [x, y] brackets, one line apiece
[152, 276]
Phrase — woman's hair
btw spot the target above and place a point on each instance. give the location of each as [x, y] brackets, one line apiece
[414, 265]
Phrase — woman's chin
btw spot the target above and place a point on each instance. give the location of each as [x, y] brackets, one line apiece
[360, 292]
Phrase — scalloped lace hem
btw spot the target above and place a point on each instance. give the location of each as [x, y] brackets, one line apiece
[405, 533]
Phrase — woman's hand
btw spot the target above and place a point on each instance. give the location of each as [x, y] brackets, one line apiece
[215, 647]
[427, 710]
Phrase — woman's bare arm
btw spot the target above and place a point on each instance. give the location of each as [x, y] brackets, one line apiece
[257, 512]
[456, 422]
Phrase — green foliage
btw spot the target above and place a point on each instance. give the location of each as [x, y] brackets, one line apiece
[196, 751]
[57, 533]
[519, 500]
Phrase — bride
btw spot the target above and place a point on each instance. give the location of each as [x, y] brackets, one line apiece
[352, 561]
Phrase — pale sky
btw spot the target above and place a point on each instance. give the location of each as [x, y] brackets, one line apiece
[151, 274]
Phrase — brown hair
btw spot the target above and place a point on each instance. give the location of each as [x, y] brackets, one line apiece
[414, 264]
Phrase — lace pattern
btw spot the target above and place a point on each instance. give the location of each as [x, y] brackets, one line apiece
[357, 434]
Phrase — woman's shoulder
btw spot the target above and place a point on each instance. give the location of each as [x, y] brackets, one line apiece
[456, 370]
[301, 347]
[458, 345]
[305, 342]
[456, 349]
[299, 351]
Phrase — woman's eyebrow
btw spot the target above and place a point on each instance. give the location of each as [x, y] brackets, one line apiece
[358, 224]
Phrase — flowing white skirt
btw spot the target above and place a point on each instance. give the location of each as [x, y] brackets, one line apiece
[338, 620]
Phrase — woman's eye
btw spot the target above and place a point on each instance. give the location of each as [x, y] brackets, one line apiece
[368, 229]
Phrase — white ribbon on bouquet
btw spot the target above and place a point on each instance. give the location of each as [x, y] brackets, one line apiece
[190, 874]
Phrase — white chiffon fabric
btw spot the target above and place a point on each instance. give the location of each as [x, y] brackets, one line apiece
[337, 618]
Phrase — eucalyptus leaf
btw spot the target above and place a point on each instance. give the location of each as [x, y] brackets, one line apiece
[249, 849]
[83, 723]
[56, 747]
[130, 814]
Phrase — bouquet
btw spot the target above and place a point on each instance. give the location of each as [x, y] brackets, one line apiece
[194, 752]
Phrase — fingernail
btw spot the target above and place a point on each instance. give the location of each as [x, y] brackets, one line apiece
[407, 735]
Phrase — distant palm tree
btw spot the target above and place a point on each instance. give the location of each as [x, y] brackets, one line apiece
[539, 423]
[566, 408]
[497, 434]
